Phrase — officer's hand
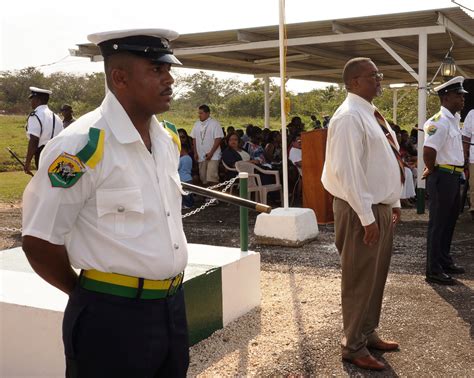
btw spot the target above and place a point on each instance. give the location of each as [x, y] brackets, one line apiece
[208, 156]
[396, 215]
[372, 234]
[27, 169]
[426, 173]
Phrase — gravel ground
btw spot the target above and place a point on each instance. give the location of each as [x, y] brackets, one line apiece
[296, 330]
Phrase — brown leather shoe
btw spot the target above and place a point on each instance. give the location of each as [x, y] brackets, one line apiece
[367, 362]
[386, 346]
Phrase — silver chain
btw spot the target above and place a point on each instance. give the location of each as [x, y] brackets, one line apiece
[208, 203]
[10, 229]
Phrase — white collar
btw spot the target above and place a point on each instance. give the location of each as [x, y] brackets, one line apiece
[119, 121]
[41, 107]
[361, 101]
[446, 112]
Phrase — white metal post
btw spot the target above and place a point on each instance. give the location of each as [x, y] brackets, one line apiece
[281, 33]
[266, 90]
[395, 105]
[422, 93]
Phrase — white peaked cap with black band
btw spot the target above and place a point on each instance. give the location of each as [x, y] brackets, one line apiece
[35, 91]
[453, 85]
[152, 44]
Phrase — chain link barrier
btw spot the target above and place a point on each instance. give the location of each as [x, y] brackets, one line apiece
[10, 229]
[211, 201]
[207, 203]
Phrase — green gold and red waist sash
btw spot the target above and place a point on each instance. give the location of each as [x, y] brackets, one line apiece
[128, 286]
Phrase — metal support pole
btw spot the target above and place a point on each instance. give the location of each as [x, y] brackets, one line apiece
[284, 148]
[244, 212]
[422, 92]
[266, 89]
[395, 105]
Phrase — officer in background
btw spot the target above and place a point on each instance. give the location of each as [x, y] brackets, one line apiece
[107, 200]
[468, 139]
[67, 113]
[444, 160]
[42, 125]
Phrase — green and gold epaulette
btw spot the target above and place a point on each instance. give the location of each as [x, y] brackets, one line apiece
[171, 128]
[437, 116]
[93, 151]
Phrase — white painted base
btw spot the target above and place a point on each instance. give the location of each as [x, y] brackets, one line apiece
[292, 226]
[31, 311]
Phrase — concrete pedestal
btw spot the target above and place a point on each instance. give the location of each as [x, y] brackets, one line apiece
[293, 226]
[221, 284]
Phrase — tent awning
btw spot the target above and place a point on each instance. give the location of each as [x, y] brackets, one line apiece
[318, 50]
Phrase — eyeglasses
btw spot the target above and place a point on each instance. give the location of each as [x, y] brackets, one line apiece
[374, 75]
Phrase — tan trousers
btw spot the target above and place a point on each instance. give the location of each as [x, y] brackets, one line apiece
[364, 273]
[209, 171]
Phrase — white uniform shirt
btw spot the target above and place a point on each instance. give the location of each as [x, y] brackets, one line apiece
[442, 133]
[468, 131]
[40, 124]
[123, 216]
[205, 134]
[360, 165]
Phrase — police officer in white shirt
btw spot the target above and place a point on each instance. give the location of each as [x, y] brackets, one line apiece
[468, 139]
[444, 160]
[107, 200]
[42, 125]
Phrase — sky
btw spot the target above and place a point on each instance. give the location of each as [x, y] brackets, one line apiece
[38, 34]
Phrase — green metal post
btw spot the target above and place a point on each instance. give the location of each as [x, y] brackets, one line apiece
[244, 212]
[420, 201]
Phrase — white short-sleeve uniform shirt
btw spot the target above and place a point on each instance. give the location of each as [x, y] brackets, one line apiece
[442, 133]
[44, 124]
[468, 131]
[124, 215]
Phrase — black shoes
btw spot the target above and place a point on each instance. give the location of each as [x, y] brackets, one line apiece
[454, 269]
[440, 278]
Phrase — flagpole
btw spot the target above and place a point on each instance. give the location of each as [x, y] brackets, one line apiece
[281, 32]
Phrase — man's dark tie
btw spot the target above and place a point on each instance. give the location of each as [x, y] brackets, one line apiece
[401, 165]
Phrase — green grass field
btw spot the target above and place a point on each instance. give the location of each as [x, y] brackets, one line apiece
[12, 134]
[12, 185]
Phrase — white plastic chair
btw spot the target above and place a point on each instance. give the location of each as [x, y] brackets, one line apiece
[236, 182]
[255, 183]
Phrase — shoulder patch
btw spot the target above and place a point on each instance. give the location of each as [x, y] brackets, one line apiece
[431, 129]
[171, 128]
[93, 151]
[437, 116]
[65, 171]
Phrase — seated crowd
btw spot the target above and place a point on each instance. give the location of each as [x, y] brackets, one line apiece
[261, 147]
[209, 155]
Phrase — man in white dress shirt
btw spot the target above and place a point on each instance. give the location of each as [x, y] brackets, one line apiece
[207, 135]
[107, 200]
[365, 175]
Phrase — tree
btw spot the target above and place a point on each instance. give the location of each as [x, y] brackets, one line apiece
[14, 89]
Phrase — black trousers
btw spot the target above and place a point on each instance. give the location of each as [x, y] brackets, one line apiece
[443, 189]
[37, 155]
[111, 336]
